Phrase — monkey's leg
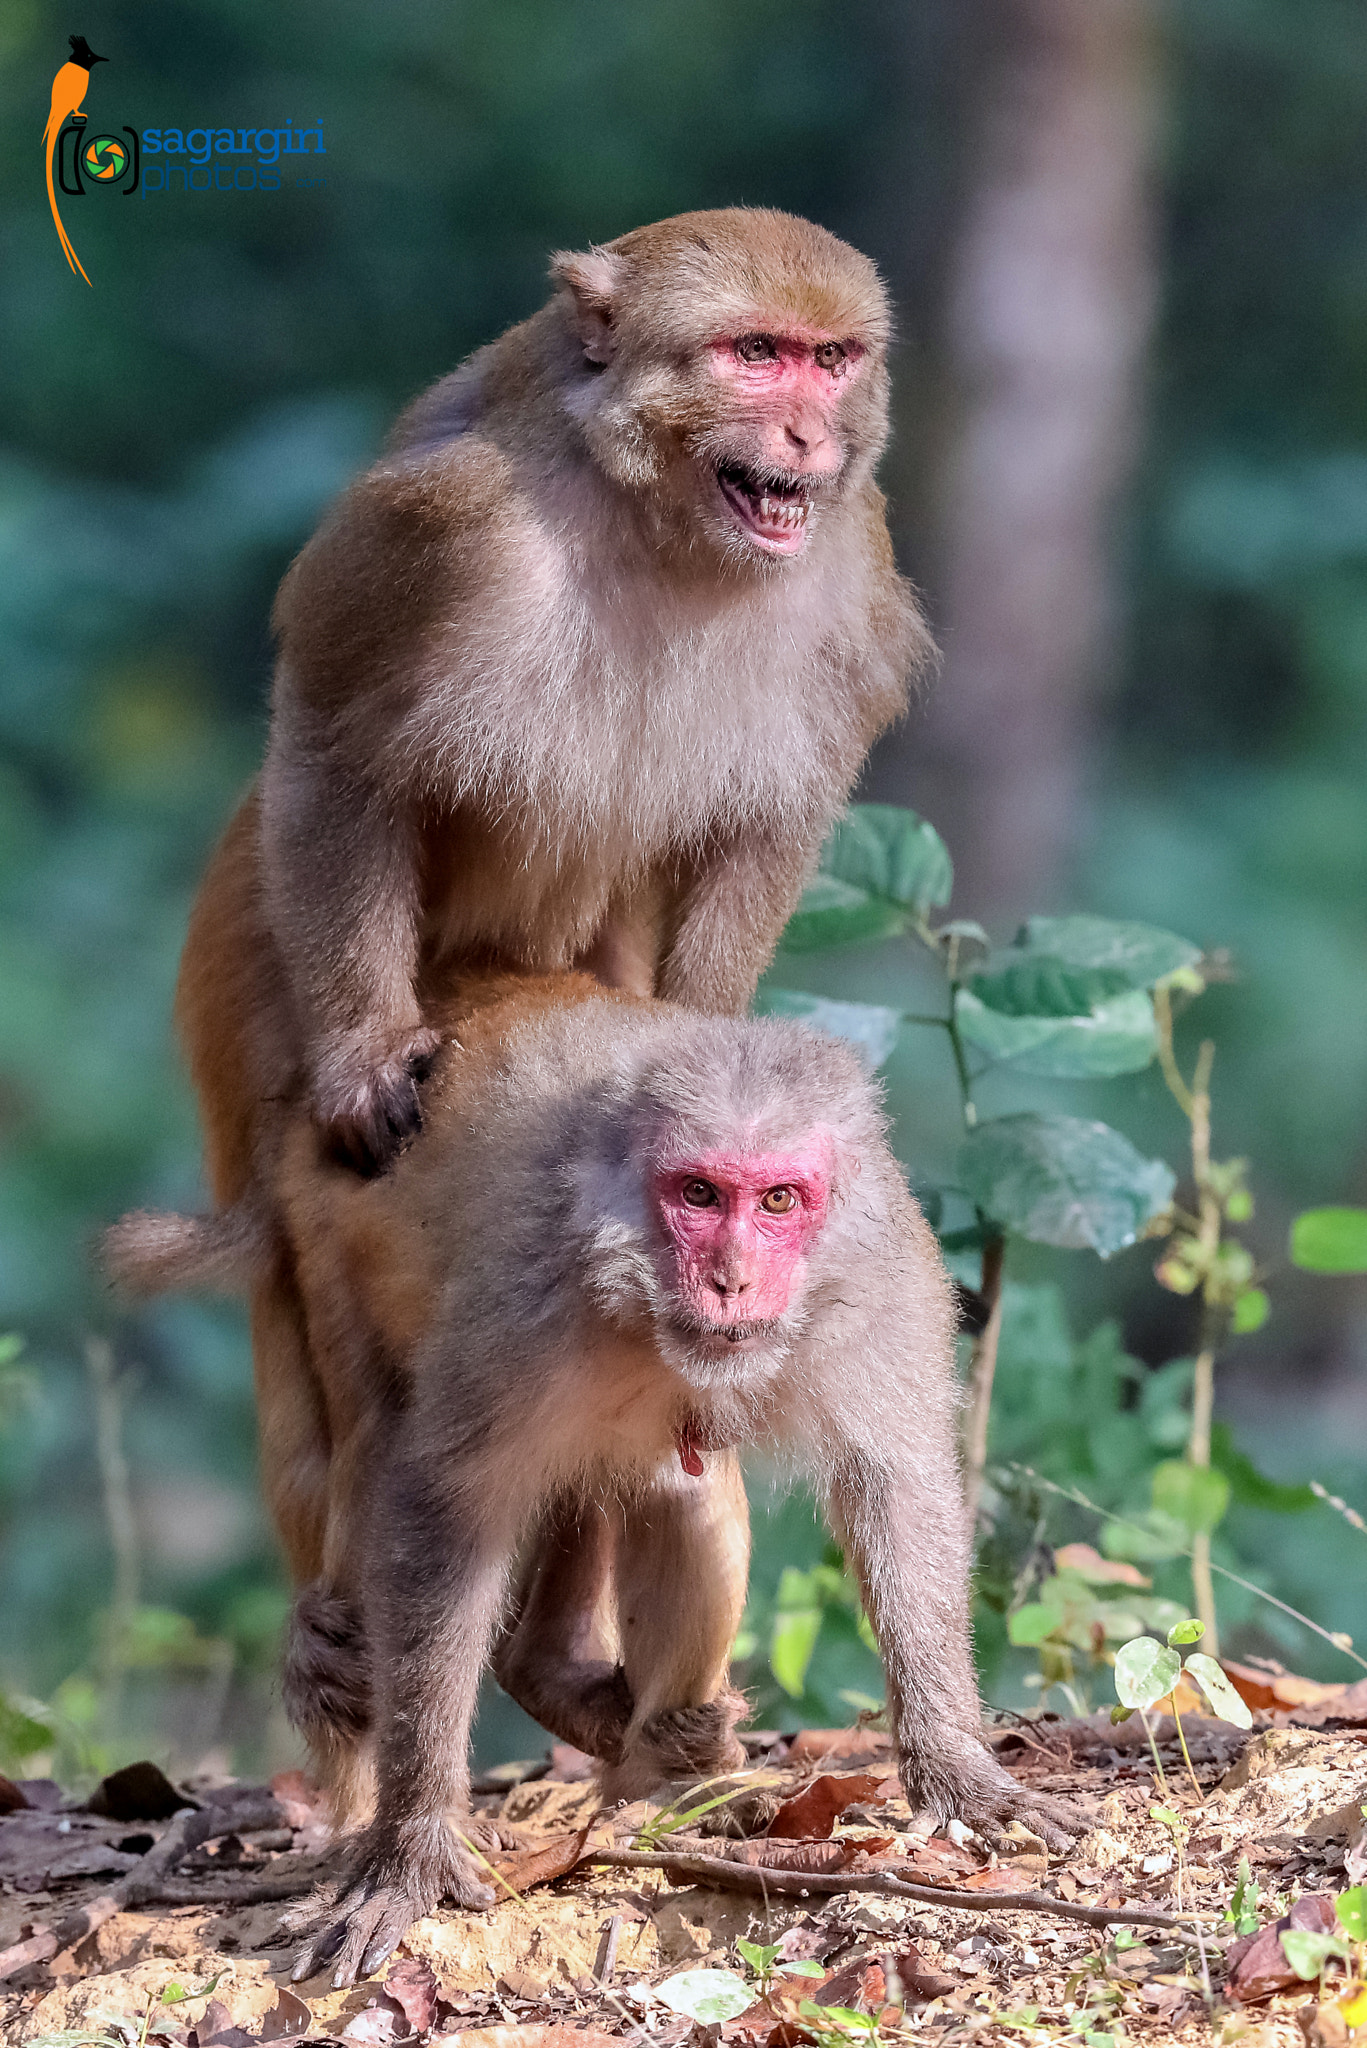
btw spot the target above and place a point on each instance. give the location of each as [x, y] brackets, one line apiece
[908, 1543]
[440, 1572]
[681, 1571]
[542, 1659]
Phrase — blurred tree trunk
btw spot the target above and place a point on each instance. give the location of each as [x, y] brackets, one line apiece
[1050, 301]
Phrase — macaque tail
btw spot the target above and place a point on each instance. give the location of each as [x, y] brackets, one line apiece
[151, 1251]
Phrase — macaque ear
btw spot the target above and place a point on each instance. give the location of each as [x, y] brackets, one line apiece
[593, 282]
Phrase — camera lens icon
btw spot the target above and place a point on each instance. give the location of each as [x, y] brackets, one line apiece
[104, 157]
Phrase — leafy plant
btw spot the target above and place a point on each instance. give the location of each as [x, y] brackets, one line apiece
[761, 1958]
[1070, 998]
[1147, 1671]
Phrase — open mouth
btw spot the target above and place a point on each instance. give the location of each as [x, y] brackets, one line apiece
[774, 514]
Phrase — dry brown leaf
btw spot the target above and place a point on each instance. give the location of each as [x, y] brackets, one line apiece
[815, 1811]
[289, 2015]
[795, 1855]
[811, 1745]
[1257, 1965]
[412, 1984]
[1277, 1691]
[1101, 1571]
[522, 1868]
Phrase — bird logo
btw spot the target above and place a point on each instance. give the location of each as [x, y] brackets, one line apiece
[68, 90]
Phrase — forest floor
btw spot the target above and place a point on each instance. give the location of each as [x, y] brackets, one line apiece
[123, 1924]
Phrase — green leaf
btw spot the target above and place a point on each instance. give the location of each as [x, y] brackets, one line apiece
[1144, 1538]
[1141, 953]
[1029, 1625]
[1017, 984]
[1188, 1631]
[1251, 1309]
[1223, 1699]
[1144, 1671]
[760, 1956]
[891, 852]
[804, 1969]
[1330, 1240]
[792, 1647]
[709, 1996]
[869, 1026]
[1117, 1036]
[1194, 1495]
[1250, 1487]
[1307, 1950]
[1063, 1180]
[845, 2014]
[833, 913]
[1351, 1907]
[22, 1734]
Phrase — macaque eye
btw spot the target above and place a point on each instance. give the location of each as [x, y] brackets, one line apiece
[778, 1201]
[699, 1194]
[757, 348]
[830, 355]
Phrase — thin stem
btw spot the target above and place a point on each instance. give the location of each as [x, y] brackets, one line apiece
[981, 1372]
[1186, 1754]
[961, 1066]
[1167, 1059]
[1157, 1759]
[118, 1504]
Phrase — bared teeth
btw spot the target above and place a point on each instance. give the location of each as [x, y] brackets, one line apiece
[782, 512]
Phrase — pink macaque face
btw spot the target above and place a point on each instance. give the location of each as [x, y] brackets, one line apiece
[740, 1227]
[786, 383]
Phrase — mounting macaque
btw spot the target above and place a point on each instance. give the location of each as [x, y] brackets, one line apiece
[631, 1239]
[579, 673]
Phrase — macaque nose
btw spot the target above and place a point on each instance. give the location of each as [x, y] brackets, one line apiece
[727, 1284]
[807, 439]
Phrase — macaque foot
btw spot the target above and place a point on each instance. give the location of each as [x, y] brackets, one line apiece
[358, 1926]
[368, 1120]
[678, 1742]
[975, 1789]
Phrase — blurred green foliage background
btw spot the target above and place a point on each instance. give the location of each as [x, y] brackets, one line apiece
[170, 436]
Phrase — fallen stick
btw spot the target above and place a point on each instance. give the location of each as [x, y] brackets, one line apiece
[141, 1885]
[764, 1877]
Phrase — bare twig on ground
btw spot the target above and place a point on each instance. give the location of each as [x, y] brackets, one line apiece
[754, 1877]
[143, 1884]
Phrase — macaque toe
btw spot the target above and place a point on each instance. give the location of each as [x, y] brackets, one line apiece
[976, 1790]
[360, 1926]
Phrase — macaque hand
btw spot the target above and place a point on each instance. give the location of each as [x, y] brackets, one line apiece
[969, 1785]
[358, 1928]
[369, 1107]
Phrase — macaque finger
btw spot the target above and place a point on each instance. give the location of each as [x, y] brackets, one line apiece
[361, 1928]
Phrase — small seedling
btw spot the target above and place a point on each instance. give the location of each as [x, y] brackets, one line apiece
[1147, 1671]
[118, 2032]
[762, 1957]
[1242, 1911]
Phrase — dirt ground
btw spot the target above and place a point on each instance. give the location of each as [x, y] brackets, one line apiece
[589, 1949]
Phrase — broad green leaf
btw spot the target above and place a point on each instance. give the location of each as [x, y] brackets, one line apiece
[1063, 1180]
[892, 853]
[1030, 1624]
[1118, 1036]
[1330, 1241]
[833, 913]
[1351, 1907]
[1194, 1495]
[1019, 984]
[861, 2022]
[1250, 1486]
[1250, 1311]
[792, 1646]
[761, 1956]
[709, 1996]
[1141, 953]
[1307, 1950]
[21, 1733]
[1222, 1697]
[1145, 1538]
[1145, 1671]
[808, 1968]
[869, 1026]
[1188, 1631]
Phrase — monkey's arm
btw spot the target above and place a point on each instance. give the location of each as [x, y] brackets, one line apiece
[733, 915]
[342, 887]
[905, 1531]
[438, 1586]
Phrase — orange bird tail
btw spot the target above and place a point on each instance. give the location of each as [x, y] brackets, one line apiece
[50, 134]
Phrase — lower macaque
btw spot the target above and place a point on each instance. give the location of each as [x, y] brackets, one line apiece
[630, 1239]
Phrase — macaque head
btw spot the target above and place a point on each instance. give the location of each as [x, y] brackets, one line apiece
[735, 1230]
[728, 367]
